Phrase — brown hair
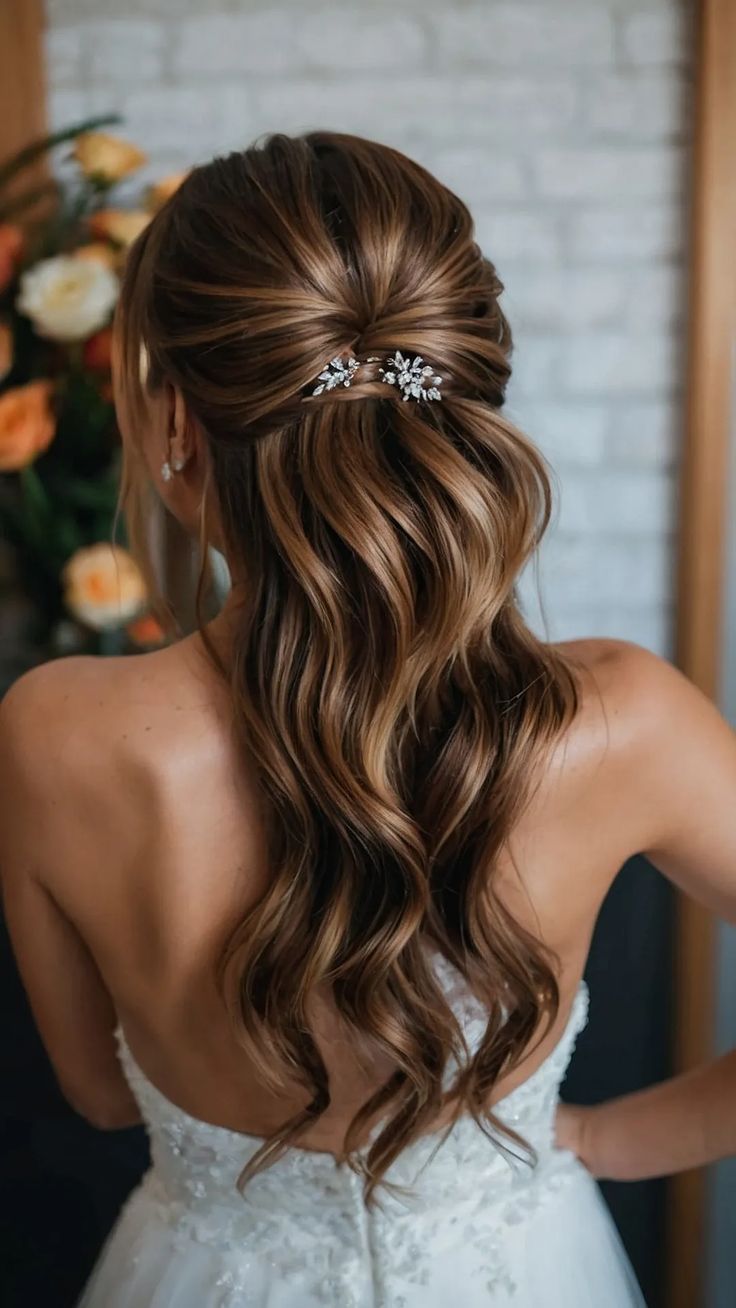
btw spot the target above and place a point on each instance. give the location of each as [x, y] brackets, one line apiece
[386, 687]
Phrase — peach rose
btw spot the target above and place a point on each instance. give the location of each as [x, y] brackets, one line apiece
[119, 225]
[106, 157]
[6, 349]
[103, 587]
[27, 424]
[99, 252]
[162, 190]
[11, 246]
[146, 631]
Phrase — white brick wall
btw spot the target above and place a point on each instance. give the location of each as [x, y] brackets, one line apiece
[564, 124]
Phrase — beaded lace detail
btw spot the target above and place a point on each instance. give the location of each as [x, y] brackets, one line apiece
[304, 1217]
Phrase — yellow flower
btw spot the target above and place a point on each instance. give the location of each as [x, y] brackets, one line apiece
[106, 157]
[6, 349]
[162, 190]
[99, 251]
[103, 587]
[119, 225]
[27, 424]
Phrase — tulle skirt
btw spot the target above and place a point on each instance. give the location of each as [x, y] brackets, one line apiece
[565, 1253]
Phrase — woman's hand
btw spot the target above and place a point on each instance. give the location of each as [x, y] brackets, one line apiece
[687, 1121]
[572, 1131]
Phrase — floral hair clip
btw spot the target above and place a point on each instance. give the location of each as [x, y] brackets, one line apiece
[335, 374]
[414, 378]
[411, 377]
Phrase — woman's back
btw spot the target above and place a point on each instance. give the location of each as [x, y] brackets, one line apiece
[155, 846]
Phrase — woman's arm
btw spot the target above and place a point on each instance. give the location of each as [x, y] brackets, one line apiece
[688, 1121]
[680, 755]
[71, 1004]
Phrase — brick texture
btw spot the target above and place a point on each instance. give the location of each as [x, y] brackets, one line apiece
[565, 126]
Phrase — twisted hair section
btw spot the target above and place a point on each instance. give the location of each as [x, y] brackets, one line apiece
[392, 700]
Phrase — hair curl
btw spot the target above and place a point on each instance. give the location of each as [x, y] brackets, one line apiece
[386, 687]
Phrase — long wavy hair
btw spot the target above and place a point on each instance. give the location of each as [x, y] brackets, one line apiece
[393, 703]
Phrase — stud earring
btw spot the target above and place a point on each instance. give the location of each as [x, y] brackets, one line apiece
[166, 473]
[178, 464]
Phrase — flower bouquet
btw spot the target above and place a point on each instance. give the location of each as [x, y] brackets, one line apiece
[62, 247]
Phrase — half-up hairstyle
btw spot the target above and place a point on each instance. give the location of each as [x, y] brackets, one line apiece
[392, 700]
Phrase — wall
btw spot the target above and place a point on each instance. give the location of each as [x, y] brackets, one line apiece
[563, 123]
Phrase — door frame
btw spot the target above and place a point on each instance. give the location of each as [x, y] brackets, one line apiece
[22, 75]
[702, 542]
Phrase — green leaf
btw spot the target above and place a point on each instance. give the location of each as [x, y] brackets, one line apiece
[28, 155]
[34, 492]
[67, 537]
[98, 494]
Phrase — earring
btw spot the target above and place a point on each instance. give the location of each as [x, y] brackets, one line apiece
[166, 473]
[179, 463]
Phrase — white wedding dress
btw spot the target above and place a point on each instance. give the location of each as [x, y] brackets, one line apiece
[480, 1227]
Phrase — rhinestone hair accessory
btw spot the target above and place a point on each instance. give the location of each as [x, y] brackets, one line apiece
[337, 373]
[414, 378]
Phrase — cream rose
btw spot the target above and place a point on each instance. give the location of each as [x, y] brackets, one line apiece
[67, 299]
[104, 587]
[107, 157]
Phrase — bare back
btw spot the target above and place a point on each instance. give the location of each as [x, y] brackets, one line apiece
[158, 850]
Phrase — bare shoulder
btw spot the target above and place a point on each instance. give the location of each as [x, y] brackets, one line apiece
[48, 686]
[78, 733]
[63, 708]
[39, 712]
[642, 698]
[59, 736]
[653, 750]
[73, 702]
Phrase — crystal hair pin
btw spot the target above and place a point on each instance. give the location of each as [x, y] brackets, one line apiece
[337, 373]
[411, 376]
[414, 378]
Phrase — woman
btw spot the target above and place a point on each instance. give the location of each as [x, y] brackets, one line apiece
[311, 891]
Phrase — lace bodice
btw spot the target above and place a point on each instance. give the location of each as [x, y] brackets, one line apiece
[306, 1213]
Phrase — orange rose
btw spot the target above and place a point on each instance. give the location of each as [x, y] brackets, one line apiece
[162, 190]
[119, 225]
[11, 246]
[146, 631]
[6, 349]
[27, 424]
[97, 351]
[106, 157]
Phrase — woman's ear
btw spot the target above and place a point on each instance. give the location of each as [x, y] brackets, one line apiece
[185, 472]
[182, 436]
